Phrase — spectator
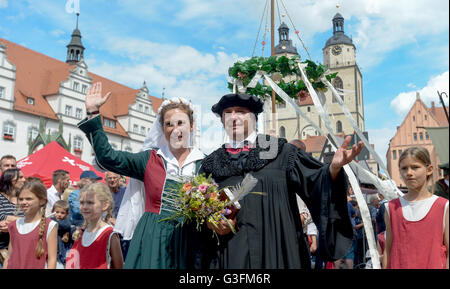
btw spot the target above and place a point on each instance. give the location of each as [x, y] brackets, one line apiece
[112, 180]
[348, 261]
[65, 231]
[86, 178]
[61, 181]
[360, 245]
[381, 225]
[10, 180]
[373, 205]
[441, 186]
[7, 162]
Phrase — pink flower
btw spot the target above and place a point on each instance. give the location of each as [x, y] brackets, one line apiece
[202, 188]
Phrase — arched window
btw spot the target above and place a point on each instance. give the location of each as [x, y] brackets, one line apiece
[282, 132]
[338, 126]
[339, 85]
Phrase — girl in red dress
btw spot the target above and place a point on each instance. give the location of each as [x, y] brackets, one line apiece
[33, 239]
[96, 246]
[416, 224]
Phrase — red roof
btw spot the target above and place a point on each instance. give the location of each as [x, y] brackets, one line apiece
[38, 75]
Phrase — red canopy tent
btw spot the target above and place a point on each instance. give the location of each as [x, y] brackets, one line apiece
[53, 156]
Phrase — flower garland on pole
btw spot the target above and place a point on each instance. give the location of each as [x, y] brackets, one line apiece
[279, 68]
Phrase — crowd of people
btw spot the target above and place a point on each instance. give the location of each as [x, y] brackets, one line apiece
[306, 217]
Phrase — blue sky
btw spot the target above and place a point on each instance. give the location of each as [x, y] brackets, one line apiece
[186, 46]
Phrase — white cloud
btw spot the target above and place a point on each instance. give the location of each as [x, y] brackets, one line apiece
[403, 102]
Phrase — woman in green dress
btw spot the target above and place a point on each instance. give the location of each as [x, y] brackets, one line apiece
[166, 158]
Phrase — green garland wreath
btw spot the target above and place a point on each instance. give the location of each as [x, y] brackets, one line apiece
[283, 65]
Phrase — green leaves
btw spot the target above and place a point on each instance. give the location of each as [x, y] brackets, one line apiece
[285, 66]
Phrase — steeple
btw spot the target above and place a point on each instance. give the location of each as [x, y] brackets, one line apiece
[339, 36]
[75, 49]
[338, 23]
[285, 45]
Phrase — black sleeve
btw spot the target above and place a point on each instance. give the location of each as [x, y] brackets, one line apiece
[326, 199]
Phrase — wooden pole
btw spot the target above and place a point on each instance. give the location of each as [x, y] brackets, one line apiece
[272, 44]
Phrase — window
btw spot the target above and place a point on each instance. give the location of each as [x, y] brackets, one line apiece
[68, 110]
[9, 130]
[78, 143]
[79, 113]
[147, 110]
[30, 100]
[109, 122]
[143, 130]
[33, 132]
[425, 116]
[399, 153]
[141, 107]
[394, 154]
[281, 105]
[135, 128]
[84, 88]
[415, 136]
[2, 92]
[309, 109]
[339, 85]
[282, 132]
[427, 137]
[338, 126]
[421, 136]
[414, 118]
[76, 85]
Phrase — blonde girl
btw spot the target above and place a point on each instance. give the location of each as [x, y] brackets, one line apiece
[96, 245]
[33, 238]
[417, 223]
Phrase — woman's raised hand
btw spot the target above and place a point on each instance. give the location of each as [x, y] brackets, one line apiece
[94, 98]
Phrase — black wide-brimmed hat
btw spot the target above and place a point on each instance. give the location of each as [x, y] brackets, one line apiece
[253, 103]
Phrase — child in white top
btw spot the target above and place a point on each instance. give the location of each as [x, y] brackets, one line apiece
[417, 234]
[29, 246]
[97, 246]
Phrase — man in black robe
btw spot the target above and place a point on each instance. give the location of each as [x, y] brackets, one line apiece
[269, 233]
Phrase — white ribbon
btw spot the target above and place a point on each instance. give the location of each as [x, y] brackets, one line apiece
[355, 125]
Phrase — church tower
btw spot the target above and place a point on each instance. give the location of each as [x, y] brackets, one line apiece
[285, 46]
[75, 49]
[339, 54]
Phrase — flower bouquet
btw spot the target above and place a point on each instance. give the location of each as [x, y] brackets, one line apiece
[199, 199]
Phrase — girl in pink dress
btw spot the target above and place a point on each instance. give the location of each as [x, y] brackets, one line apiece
[416, 224]
[33, 239]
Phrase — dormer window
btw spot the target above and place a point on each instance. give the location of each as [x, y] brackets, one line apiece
[30, 100]
[84, 89]
[76, 86]
[109, 123]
